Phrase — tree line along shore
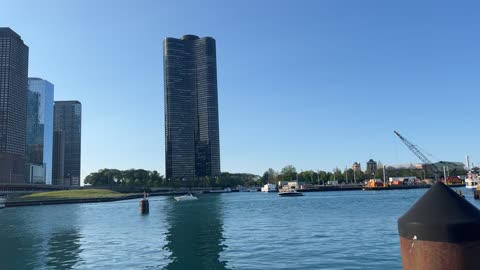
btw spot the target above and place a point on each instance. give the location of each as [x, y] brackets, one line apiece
[140, 178]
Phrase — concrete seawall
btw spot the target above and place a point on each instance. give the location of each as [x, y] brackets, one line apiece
[19, 203]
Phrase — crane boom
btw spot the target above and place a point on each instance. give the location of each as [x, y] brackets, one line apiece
[417, 152]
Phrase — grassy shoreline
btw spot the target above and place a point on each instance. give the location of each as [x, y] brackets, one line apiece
[78, 196]
[72, 194]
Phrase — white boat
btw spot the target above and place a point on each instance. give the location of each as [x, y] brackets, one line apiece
[269, 188]
[226, 190]
[2, 202]
[472, 181]
[290, 193]
[186, 197]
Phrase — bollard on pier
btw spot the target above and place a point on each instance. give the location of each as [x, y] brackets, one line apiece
[440, 231]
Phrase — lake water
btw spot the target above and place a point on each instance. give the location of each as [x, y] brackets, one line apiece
[321, 230]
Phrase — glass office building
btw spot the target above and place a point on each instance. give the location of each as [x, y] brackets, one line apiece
[13, 105]
[68, 120]
[40, 127]
[192, 143]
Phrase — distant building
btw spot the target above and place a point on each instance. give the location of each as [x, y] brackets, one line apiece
[371, 166]
[192, 143]
[411, 166]
[13, 105]
[451, 165]
[356, 167]
[68, 119]
[40, 128]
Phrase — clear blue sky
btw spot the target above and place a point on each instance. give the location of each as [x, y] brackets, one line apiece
[315, 84]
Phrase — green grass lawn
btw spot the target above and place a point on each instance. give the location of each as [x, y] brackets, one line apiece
[73, 194]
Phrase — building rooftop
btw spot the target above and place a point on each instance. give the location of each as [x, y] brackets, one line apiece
[7, 31]
[189, 37]
[68, 101]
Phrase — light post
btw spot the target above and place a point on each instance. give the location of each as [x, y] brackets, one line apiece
[384, 178]
[445, 175]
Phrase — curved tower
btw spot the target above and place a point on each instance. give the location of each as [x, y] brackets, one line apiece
[192, 143]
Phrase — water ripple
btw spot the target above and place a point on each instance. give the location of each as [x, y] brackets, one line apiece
[334, 230]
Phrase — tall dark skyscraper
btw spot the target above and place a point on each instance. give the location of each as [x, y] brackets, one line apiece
[68, 119]
[13, 105]
[58, 158]
[192, 143]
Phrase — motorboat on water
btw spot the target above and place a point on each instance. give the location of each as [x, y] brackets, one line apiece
[186, 197]
[472, 181]
[290, 193]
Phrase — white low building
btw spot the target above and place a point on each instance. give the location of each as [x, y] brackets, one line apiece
[269, 188]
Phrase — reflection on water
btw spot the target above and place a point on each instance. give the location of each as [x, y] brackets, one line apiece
[63, 249]
[331, 230]
[195, 234]
[39, 238]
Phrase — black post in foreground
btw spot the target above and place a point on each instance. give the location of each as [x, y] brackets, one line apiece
[144, 205]
[440, 231]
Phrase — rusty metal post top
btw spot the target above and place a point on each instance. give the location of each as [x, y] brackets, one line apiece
[441, 215]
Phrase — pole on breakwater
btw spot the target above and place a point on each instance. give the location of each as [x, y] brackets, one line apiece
[440, 231]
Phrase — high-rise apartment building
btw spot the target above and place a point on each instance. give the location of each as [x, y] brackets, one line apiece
[58, 158]
[39, 129]
[192, 143]
[13, 105]
[68, 119]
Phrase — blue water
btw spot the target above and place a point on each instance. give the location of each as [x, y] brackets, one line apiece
[327, 230]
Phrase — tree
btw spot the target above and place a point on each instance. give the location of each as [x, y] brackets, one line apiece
[359, 176]
[269, 176]
[324, 176]
[379, 174]
[349, 175]
[338, 175]
[307, 176]
[289, 173]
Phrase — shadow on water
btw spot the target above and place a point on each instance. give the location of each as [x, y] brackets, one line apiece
[36, 238]
[63, 249]
[195, 234]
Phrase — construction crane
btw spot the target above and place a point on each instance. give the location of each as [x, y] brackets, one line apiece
[418, 153]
